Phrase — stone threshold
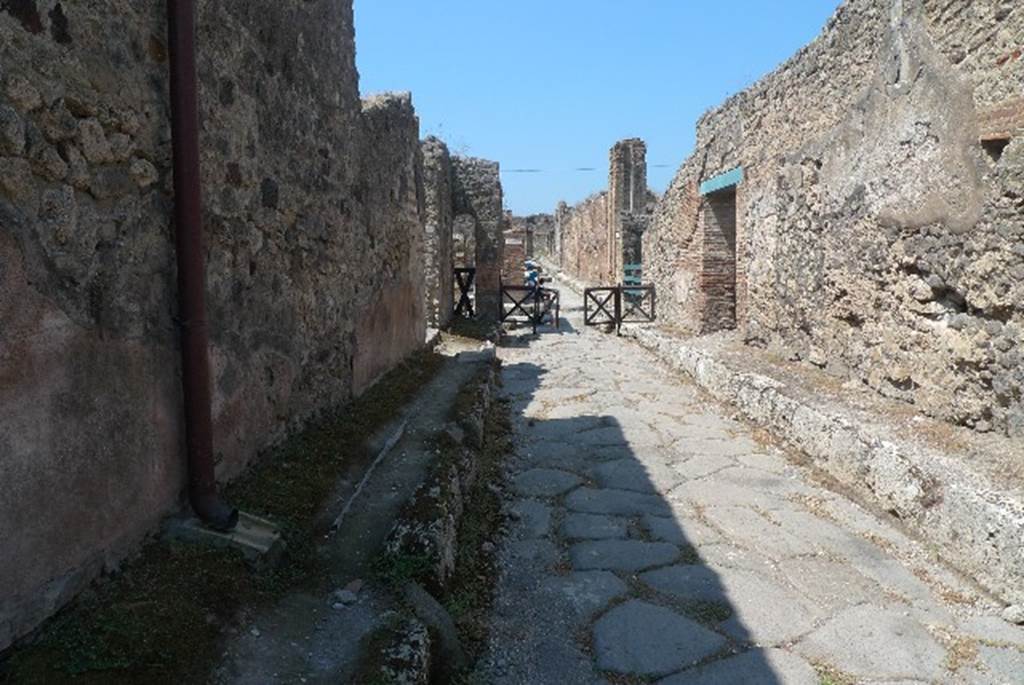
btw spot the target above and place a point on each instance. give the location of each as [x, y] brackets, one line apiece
[957, 490]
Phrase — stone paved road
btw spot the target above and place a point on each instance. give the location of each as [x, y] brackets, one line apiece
[656, 540]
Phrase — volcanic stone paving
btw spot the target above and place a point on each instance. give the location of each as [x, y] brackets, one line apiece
[654, 539]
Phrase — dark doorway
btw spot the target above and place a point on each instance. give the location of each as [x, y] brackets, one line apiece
[718, 280]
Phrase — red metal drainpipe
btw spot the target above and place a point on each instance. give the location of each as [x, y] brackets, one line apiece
[195, 363]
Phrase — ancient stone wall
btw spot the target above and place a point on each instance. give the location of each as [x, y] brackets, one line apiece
[314, 242]
[517, 240]
[601, 235]
[478, 197]
[439, 215]
[628, 210]
[540, 229]
[586, 252]
[880, 220]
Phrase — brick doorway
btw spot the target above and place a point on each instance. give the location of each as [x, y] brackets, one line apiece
[718, 279]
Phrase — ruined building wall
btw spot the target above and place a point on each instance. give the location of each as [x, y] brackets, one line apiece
[599, 236]
[628, 199]
[314, 241]
[586, 252]
[439, 217]
[478, 200]
[879, 228]
[516, 240]
[541, 229]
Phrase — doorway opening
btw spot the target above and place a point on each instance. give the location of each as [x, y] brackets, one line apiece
[718, 280]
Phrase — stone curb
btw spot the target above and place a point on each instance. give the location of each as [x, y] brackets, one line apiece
[977, 527]
[428, 528]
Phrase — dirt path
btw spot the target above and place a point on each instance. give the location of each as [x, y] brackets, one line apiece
[656, 540]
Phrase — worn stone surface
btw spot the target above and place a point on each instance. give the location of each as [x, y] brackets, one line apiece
[593, 527]
[313, 246]
[867, 643]
[756, 667]
[760, 570]
[637, 638]
[545, 482]
[622, 555]
[961, 491]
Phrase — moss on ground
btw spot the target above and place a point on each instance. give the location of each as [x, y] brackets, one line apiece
[163, 619]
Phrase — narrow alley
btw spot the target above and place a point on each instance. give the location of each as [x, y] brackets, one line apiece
[655, 536]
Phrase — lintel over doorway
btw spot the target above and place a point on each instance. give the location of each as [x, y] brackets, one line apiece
[722, 181]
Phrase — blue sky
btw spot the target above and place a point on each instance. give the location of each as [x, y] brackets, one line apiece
[552, 84]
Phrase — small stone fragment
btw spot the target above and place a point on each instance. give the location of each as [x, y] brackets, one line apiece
[1014, 614]
[93, 142]
[23, 94]
[12, 132]
[143, 173]
[344, 597]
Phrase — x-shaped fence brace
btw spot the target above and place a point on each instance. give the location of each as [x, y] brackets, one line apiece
[637, 304]
[600, 298]
[464, 279]
[619, 304]
[532, 303]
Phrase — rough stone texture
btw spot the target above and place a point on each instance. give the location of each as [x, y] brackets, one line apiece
[314, 242]
[517, 240]
[545, 482]
[756, 667]
[478, 196]
[622, 555]
[974, 511]
[439, 222]
[767, 555]
[646, 640]
[879, 229]
[597, 237]
[539, 234]
[868, 644]
[428, 525]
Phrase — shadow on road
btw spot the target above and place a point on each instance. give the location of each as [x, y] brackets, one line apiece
[602, 575]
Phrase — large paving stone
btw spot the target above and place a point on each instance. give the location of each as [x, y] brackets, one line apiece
[1003, 664]
[534, 518]
[707, 492]
[701, 466]
[617, 502]
[621, 555]
[869, 642]
[729, 447]
[632, 474]
[593, 527]
[693, 582]
[753, 530]
[763, 611]
[637, 638]
[829, 584]
[679, 530]
[585, 592]
[756, 667]
[545, 483]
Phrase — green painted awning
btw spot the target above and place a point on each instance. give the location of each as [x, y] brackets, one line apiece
[722, 181]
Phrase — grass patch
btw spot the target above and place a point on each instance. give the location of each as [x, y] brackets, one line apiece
[829, 675]
[708, 613]
[163, 619]
[474, 329]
